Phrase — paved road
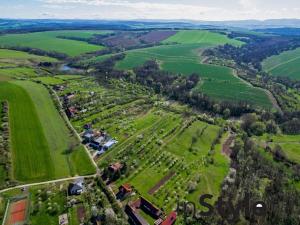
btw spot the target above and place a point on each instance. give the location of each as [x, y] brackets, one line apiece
[47, 182]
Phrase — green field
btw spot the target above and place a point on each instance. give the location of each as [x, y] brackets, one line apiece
[39, 136]
[201, 36]
[286, 64]
[217, 82]
[6, 54]
[49, 80]
[48, 41]
[290, 144]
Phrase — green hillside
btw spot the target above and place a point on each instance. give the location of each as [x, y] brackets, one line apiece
[48, 41]
[286, 64]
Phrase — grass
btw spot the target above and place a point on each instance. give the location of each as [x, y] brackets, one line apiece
[290, 144]
[25, 72]
[68, 77]
[30, 150]
[201, 36]
[48, 41]
[285, 64]
[6, 54]
[49, 80]
[39, 135]
[150, 138]
[218, 82]
[57, 134]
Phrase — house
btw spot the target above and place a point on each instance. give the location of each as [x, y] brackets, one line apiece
[88, 136]
[134, 216]
[76, 188]
[58, 87]
[63, 219]
[170, 220]
[150, 209]
[124, 191]
[116, 167]
[71, 111]
[109, 144]
[87, 126]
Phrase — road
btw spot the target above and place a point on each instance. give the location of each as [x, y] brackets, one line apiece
[46, 182]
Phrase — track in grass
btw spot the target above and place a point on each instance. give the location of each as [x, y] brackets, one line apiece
[285, 64]
[48, 41]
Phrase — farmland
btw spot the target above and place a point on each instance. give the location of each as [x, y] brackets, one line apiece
[218, 82]
[48, 41]
[189, 37]
[30, 154]
[286, 64]
[154, 139]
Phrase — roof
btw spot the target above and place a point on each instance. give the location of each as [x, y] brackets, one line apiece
[133, 215]
[127, 187]
[116, 166]
[63, 219]
[171, 218]
[110, 143]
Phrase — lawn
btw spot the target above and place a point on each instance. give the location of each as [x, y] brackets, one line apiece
[218, 82]
[201, 36]
[39, 136]
[48, 41]
[285, 64]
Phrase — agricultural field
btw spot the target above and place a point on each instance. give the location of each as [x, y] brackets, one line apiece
[201, 36]
[49, 41]
[285, 64]
[218, 82]
[29, 103]
[167, 150]
[16, 56]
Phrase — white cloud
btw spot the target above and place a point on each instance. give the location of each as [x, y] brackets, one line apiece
[146, 9]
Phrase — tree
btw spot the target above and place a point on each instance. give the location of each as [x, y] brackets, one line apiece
[227, 113]
[258, 128]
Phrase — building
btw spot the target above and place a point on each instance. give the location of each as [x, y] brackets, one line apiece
[170, 220]
[76, 188]
[134, 217]
[63, 219]
[109, 144]
[124, 191]
[116, 167]
[150, 209]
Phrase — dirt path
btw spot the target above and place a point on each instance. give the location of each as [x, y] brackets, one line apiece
[269, 94]
[161, 183]
[226, 145]
[74, 131]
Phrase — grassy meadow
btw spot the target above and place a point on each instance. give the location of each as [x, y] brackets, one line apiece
[285, 64]
[49, 41]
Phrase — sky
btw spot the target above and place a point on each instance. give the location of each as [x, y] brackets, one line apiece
[212, 10]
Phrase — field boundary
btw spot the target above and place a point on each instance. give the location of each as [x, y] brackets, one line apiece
[161, 182]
